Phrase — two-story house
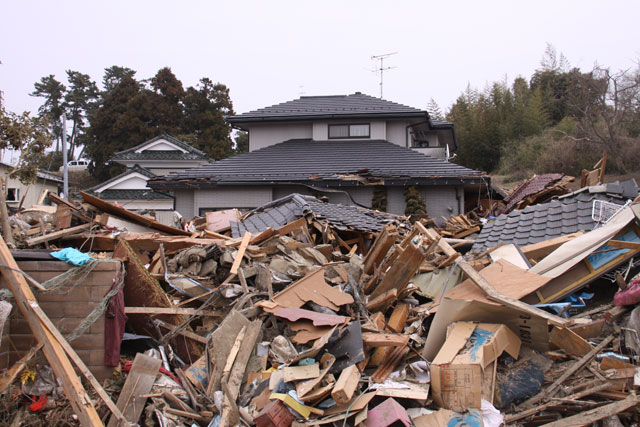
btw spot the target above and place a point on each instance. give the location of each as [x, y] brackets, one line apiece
[342, 147]
[158, 156]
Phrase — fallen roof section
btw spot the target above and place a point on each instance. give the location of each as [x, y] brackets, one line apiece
[280, 212]
[324, 162]
[568, 214]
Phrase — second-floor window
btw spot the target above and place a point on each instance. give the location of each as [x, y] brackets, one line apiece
[349, 131]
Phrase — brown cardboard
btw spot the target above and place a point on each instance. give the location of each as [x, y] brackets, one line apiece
[457, 370]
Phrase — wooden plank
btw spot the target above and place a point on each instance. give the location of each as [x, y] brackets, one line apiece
[390, 364]
[570, 341]
[376, 339]
[491, 292]
[171, 310]
[402, 270]
[382, 299]
[188, 334]
[577, 366]
[346, 385]
[231, 383]
[139, 382]
[537, 409]
[596, 414]
[305, 372]
[132, 216]
[386, 238]
[396, 324]
[57, 234]
[52, 348]
[63, 217]
[240, 254]
[625, 245]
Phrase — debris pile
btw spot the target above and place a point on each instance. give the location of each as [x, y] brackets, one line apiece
[309, 313]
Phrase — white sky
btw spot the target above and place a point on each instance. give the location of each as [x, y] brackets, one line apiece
[268, 52]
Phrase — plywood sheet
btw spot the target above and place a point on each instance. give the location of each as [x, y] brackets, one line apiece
[506, 278]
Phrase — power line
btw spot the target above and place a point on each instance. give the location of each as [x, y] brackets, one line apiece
[382, 68]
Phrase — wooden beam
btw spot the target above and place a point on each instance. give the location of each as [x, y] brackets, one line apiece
[57, 234]
[240, 254]
[625, 245]
[375, 339]
[596, 414]
[184, 333]
[577, 366]
[53, 350]
[171, 310]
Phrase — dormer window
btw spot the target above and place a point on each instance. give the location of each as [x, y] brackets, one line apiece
[349, 131]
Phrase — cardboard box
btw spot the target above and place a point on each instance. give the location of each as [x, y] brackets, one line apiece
[457, 372]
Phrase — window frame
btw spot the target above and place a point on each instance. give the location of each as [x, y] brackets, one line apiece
[16, 193]
[348, 125]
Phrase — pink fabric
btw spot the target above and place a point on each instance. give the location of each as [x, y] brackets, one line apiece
[629, 296]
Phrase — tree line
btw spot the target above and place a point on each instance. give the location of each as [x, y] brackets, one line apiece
[128, 111]
[561, 120]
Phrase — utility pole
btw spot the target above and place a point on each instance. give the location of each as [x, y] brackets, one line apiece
[64, 158]
[382, 68]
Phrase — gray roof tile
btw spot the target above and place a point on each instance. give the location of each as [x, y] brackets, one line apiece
[311, 161]
[282, 211]
[543, 221]
[335, 107]
[191, 154]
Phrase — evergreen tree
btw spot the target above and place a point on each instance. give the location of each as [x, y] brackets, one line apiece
[53, 92]
[205, 109]
[415, 203]
[379, 200]
[241, 143]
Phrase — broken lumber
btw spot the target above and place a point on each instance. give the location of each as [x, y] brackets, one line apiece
[486, 287]
[57, 234]
[596, 414]
[139, 382]
[240, 254]
[346, 385]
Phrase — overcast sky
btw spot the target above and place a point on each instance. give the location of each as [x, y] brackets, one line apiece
[268, 52]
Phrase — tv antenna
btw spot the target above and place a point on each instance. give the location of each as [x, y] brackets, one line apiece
[382, 68]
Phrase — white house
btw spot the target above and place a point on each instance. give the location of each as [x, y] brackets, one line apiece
[156, 157]
[342, 147]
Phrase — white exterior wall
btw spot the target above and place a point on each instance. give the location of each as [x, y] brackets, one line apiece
[441, 201]
[397, 132]
[227, 198]
[395, 200]
[261, 136]
[184, 203]
[280, 191]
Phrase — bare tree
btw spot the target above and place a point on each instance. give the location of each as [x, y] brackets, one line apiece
[604, 102]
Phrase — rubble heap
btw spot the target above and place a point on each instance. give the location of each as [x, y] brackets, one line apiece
[309, 313]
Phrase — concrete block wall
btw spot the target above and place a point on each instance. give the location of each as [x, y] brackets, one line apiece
[66, 311]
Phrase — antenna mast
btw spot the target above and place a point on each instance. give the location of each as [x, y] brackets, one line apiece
[382, 68]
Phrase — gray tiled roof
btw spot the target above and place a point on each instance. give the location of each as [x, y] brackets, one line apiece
[329, 107]
[191, 154]
[289, 208]
[536, 223]
[310, 161]
[133, 195]
[142, 194]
